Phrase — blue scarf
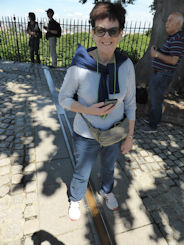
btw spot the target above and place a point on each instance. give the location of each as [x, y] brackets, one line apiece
[84, 60]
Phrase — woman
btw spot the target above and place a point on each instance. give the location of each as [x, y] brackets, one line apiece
[95, 75]
[34, 37]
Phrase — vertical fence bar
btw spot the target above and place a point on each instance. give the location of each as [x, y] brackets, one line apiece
[77, 31]
[19, 38]
[24, 39]
[4, 39]
[8, 34]
[59, 48]
[133, 37]
[66, 53]
[137, 40]
[9, 39]
[85, 32]
[124, 38]
[141, 41]
[74, 34]
[63, 35]
[70, 37]
[14, 18]
[129, 37]
[81, 32]
[88, 43]
[146, 44]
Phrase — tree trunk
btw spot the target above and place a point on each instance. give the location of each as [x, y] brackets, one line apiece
[143, 68]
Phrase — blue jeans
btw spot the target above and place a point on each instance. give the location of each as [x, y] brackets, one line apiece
[158, 84]
[86, 151]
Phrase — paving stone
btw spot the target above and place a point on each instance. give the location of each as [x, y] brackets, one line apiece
[4, 161]
[171, 174]
[4, 125]
[145, 168]
[17, 178]
[17, 189]
[3, 137]
[31, 186]
[19, 146]
[13, 230]
[4, 170]
[30, 211]
[5, 179]
[150, 204]
[18, 200]
[177, 170]
[17, 169]
[4, 190]
[29, 241]
[31, 226]
[143, 153]
[30, 167]
[5, 202]
[31, 197]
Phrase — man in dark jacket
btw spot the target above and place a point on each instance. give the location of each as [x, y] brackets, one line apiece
[53, 31]
[164, 62]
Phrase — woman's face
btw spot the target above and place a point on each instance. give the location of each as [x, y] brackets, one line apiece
[107, 44]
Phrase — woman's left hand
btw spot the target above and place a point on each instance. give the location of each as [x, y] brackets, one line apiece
[126, 145]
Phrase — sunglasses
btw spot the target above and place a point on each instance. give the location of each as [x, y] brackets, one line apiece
[100, 31]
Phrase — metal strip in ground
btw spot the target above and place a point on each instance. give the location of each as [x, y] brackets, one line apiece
[90, 202]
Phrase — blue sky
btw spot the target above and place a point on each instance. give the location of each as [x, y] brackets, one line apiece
[70, 9]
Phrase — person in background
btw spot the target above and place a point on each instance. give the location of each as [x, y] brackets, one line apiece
[164, 63]
[99, 73]
[53, 31]
[34, 37]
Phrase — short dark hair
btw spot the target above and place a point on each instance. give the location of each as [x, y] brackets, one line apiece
[50, 11]
[113, 11]
[32, 16]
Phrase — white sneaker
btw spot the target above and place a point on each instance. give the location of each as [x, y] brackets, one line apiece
[111, 201]
[74, 211]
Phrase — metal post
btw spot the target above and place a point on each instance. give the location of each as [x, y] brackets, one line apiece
[14, 18]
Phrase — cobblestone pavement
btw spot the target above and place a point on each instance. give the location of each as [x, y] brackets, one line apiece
[155, 166]
[20, 86]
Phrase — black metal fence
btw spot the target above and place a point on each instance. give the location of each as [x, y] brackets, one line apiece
[14, 40]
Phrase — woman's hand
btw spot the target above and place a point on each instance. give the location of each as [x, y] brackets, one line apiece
[99, 109]
[126, 145]
[96, 109]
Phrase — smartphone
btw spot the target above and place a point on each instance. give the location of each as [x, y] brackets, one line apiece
[110, 101]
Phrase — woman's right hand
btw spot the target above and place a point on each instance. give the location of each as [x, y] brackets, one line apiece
[99, 109]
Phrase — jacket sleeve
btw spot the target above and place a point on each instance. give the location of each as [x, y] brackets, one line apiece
[69, 88]
[130, 98]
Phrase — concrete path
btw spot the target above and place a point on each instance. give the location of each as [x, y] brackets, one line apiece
[35, 171]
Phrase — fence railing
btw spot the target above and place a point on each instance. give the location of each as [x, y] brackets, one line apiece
[14, 40]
